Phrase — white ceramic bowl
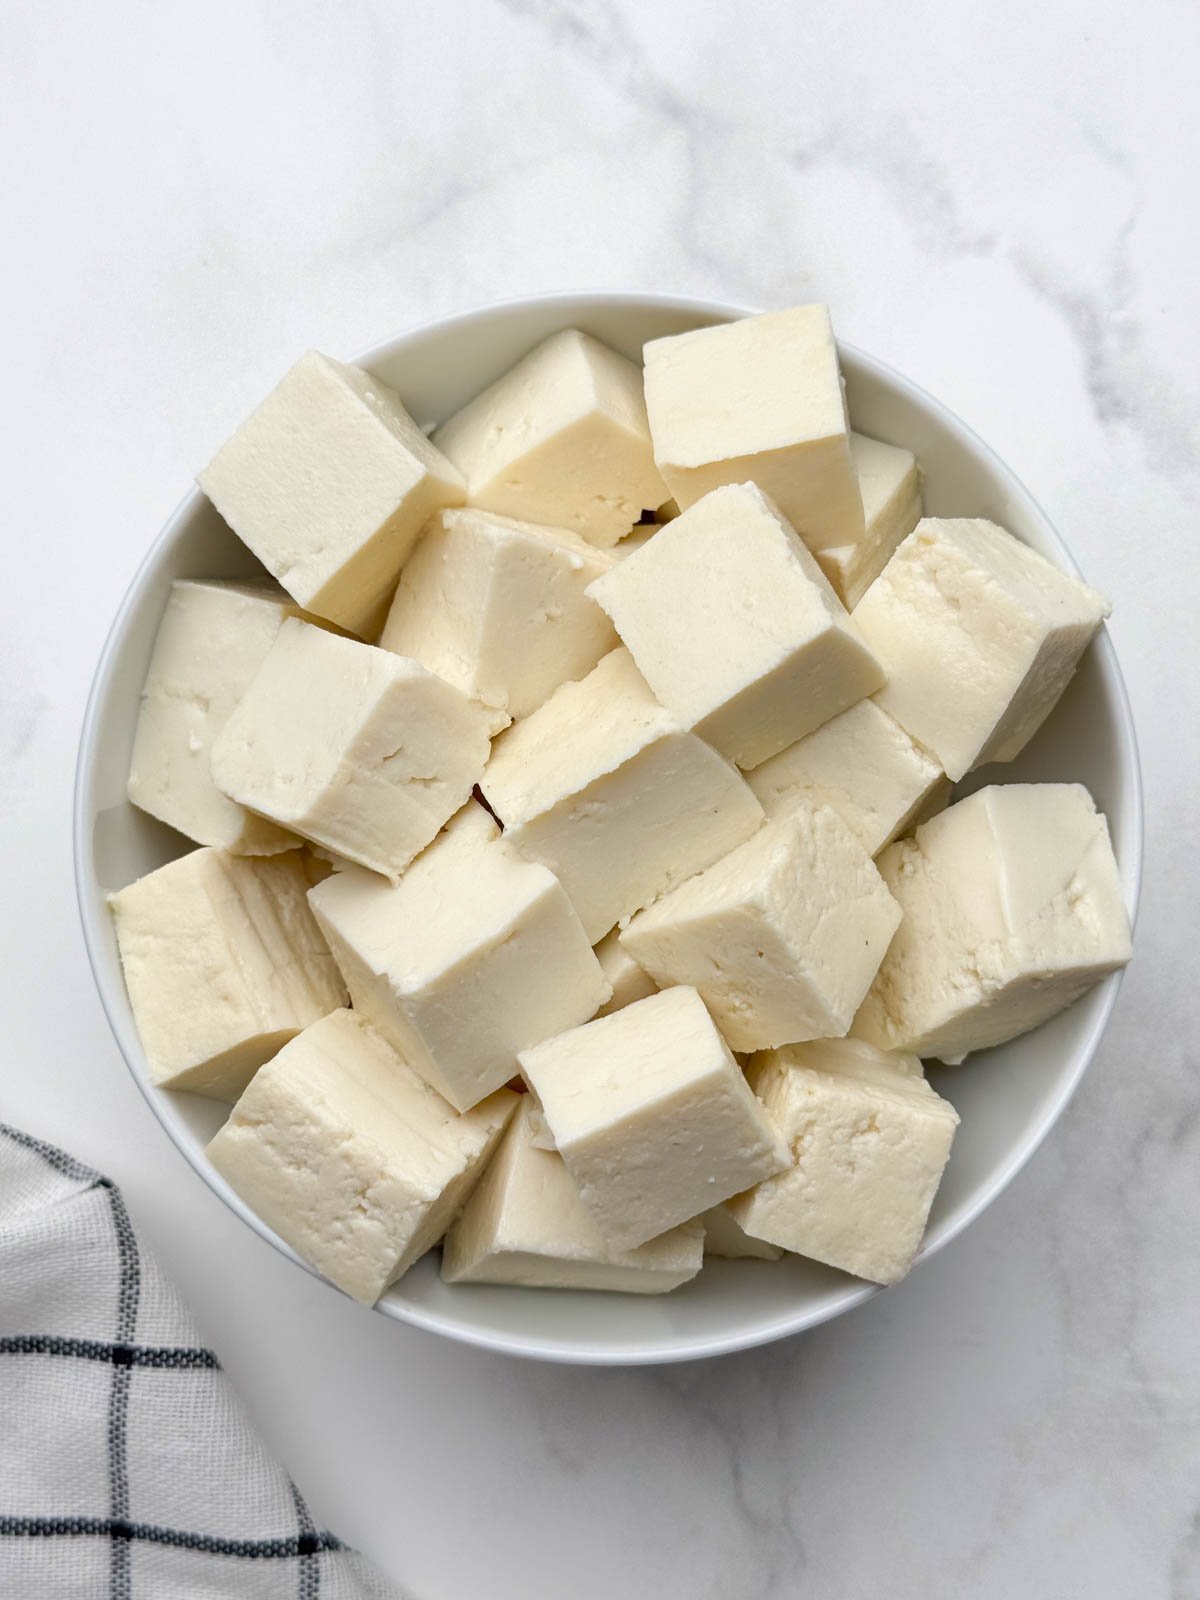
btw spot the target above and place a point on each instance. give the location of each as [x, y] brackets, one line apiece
[1008, 1100]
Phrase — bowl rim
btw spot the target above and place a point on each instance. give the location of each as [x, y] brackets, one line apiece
[531, 1347]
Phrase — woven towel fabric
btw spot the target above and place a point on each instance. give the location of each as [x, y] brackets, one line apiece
[128, 1468]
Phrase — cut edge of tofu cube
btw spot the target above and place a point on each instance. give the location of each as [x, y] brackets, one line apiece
[350, 1157]
[777, 418]
[979, 636]
[610, 1088]
[561, 438]
[683, 605]
[327, 742]
[329, 481]
[209, 913]
[864, 766]
[525, 1224]
[869, 1157]
[628, 981]
[889, 479]
[190, 691]
[1013, 909]
[724, 1236]
[602, 786]
[781, 938]
[496, 607]
[472, 956]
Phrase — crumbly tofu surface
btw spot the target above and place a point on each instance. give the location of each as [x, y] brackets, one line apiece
[473, 956]
[353, 747]
[869, 1152]
[603, 786]
[349, 1155]
[725, 1237]
[330, 482]
[213, 637]
[223, 964]
[525, 1224]
[978, 635]
[735, 628]
[889, 481]
[562, 439]
[758, 401]
[627, 980]
[781, 938]
[498, 608]
[1012, 910]
[652, 1116]
[865, 767]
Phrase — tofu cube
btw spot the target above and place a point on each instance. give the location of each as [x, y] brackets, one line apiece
[354, 1161]
[781, 938]
[330, 482]
[725, 1237]
[561, 439]
[472, 956]
[224, 964]
[889, 481]
[605, 787]
[870, 1148]
[758, 401]
[356, 749]
[978, 635]
[865, 767]
[652, 1116]
[735, 628]
[211, 641]
[626, 979]
[498, 608]
[525, 1224]
[1012, 909]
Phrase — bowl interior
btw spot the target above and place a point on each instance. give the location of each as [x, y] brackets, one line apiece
[1008, 1099]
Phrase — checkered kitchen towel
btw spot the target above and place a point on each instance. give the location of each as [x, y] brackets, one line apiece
[128, 1469]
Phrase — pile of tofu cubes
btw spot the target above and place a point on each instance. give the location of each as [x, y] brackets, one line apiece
[576, 886]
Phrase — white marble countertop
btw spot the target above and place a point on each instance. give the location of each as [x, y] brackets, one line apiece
[1007, 212]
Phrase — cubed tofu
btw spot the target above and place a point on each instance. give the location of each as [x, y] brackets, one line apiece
[224, 964]
[652, 1116]
[725, 1237]
[605, 787]
[472, 956]
[498, 608]
[354, 1161]
[626, 978]
[525, 1224]
[870, 1148]
[735, 628]
[213, 637]
[1012, 909]
[978, 635]
[865, 767]
[356, 749]
[330, 482]
[889, 481]
[758, 401]
[781, 938]
[561, 439]
[856, 1058]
